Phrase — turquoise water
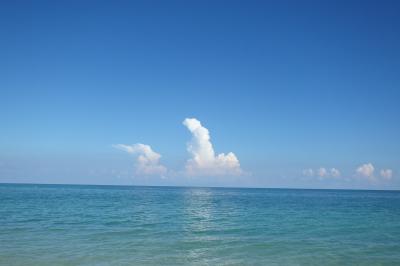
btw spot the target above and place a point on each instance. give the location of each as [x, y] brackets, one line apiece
[117, 225]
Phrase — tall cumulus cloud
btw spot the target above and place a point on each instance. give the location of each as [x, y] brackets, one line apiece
[203, 160]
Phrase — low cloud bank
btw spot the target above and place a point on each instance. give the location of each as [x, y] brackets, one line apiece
[367, 171]
[363, 172]
[321, 172]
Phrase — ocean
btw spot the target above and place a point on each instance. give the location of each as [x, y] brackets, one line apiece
[133, 225]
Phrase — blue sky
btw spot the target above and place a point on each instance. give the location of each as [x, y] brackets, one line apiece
[286, 86]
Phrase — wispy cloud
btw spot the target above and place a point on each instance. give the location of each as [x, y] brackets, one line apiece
[204, 161]
[147, 161]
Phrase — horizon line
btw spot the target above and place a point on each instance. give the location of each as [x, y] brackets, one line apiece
[183, 186]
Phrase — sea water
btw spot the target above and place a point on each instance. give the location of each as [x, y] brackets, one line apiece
[128, 225]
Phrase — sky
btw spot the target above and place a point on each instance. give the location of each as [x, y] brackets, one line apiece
[292, 94]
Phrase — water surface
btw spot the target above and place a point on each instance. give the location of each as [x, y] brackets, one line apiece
[123, 225]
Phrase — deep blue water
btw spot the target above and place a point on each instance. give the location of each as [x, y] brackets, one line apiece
[123, 225]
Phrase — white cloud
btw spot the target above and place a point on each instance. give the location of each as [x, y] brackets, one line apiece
[387, 173]
[308, 172]
[322, 172]
[363, 172]
[147, 160]
[366, 170]
[203, 161]
[335, 172]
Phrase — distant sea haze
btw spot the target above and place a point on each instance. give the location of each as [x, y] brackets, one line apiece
[126, 225]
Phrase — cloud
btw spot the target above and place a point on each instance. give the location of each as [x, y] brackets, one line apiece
[366, 170]
[203, 161]
[363, 172]
[147, 160]
[335, 172]
[308, 172]
[386, 173]
[321, 172]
